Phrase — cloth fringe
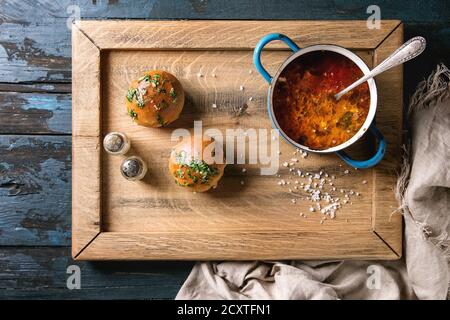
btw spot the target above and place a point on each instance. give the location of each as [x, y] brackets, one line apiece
[428, 93]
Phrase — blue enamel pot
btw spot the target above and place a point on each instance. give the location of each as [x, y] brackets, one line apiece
[368, 124]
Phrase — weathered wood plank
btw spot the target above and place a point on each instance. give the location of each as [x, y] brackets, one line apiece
[386, 224]
[35, 190]
[35, 113]
[234, 34]
[41, 273]
[38, 87]
[343, 243]
[28, 53]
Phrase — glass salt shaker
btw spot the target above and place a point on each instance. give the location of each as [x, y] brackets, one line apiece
[116, 143]
[133, 168]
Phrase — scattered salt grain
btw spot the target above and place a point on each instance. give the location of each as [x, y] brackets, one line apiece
[250, 99]
[244, 170]
[214, 106]
[241, 88]
[364, 182]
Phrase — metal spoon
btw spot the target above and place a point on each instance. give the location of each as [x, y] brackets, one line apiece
[409, 50]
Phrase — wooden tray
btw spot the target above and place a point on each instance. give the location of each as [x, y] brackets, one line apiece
[114, 219]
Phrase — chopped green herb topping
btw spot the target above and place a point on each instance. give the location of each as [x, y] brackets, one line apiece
[201, 168]
[155, 82]
[160, 119]
[140, 103]
[132, 114]
[145, 78]
[160, 90]
[180, 173]
[130, 94]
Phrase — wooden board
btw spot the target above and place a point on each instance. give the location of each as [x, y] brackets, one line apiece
[254, 220]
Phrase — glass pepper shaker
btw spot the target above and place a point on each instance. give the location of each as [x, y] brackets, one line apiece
[116, 143]
[133, 168]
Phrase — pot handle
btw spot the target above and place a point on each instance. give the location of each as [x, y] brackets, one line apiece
[364, 164]
[262, 43]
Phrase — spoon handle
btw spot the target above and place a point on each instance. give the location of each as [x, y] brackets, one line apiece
[409, 50]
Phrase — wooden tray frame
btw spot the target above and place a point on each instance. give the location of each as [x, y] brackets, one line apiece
[381, 240]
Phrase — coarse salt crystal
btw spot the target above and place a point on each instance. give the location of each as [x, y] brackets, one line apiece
[241, 88]
[214, 105]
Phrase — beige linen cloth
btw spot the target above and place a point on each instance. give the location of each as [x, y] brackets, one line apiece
[424, 193]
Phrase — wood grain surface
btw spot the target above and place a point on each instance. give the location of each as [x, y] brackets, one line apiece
[35, 55]
[385, 214]
[249, 215]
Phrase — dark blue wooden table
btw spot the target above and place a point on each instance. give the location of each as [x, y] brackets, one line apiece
[35, 129]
